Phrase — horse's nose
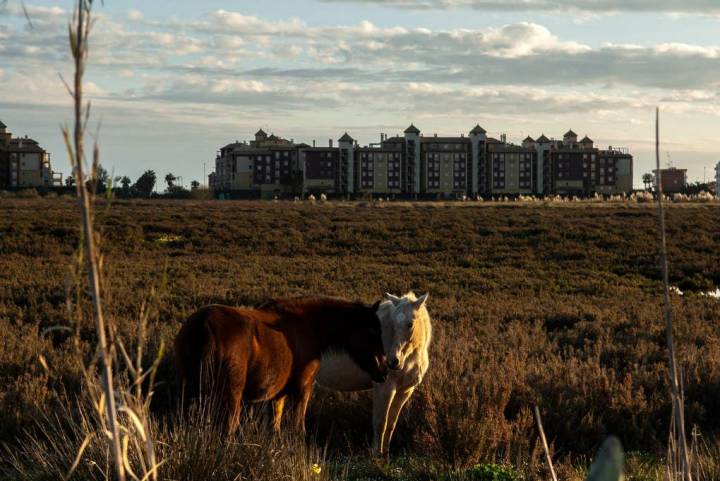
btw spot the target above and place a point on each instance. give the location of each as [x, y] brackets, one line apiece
[393, 363]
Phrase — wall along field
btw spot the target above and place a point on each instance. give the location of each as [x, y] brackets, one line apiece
[555, 305]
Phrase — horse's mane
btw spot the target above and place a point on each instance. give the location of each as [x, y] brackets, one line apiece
[290, 303]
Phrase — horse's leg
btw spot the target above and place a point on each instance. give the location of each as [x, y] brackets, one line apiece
[301, 407]
[305, 389]
[278, 407]
[397, 404]
[236, 377]
[383, 395]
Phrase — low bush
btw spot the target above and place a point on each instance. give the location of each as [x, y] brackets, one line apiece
[27, 194]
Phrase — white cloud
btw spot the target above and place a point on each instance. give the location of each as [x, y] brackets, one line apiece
[702, 7]
[230, 68]
[135, 15]
[240, 24]
[524, 38]
[35, 12]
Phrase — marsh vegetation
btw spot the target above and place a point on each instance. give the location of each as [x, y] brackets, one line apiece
[551, 305]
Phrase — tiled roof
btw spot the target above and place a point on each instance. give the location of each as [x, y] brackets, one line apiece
[412, 129]
[322, 149]
[478, 130]
[381, 150]
[346, 138]
[260, 133]
[529, 139]
[570, 133]
[543, 140]
[445, 140]
[2, 125]
[586, 140]
[28, 145]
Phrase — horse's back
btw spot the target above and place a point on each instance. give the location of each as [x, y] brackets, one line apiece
[237, 344]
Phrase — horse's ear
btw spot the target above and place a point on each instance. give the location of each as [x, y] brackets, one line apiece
[392, 298]
[421, 301]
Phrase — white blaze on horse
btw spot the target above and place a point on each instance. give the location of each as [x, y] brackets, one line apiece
[406, 333]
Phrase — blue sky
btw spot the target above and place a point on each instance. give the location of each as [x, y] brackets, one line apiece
[172, 81]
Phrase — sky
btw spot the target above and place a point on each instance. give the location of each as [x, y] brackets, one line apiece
[170, 82]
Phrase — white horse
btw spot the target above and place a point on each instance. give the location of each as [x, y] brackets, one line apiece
[406, 333]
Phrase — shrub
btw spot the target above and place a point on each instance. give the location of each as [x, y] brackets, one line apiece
[28, 194]
[202, 194]
[488, 472]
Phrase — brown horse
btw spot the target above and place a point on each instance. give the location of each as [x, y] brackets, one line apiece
[272, 353]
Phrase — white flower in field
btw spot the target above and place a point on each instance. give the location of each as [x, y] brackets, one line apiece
[714, 294]
[676, 290]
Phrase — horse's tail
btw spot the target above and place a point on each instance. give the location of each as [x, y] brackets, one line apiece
[196, 360]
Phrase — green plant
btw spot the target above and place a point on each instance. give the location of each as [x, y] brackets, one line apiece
[487, 472]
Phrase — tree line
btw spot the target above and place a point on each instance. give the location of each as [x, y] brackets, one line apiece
[143, 187]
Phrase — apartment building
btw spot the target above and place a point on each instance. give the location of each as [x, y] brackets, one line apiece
[321, 168]
[415, 165]
[511, 168]
[614, 173]
[572, 167]
[265, 166]
[444, 165]
[379, 170]
[24, 164]
[568, 165]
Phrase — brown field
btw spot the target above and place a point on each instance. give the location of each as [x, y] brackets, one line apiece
[555, 305]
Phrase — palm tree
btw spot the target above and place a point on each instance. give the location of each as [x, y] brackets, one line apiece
[170, 180]
[648, 181]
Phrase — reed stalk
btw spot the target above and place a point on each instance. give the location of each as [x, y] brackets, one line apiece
[79, 31]
[538, 420]
[678, 438]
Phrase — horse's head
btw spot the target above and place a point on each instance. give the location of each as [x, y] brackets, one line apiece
[366, 348]
[398, 318]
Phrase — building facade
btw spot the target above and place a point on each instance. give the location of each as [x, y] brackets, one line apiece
[24, 164]
[414, 165]
[673, 180]
[266, 166]
[512, 168]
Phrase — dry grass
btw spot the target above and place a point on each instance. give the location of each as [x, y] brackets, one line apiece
[555, 306]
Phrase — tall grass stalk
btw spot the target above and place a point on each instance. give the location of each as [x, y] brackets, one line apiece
[678, 458]
[538, 419]
[79, 31]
